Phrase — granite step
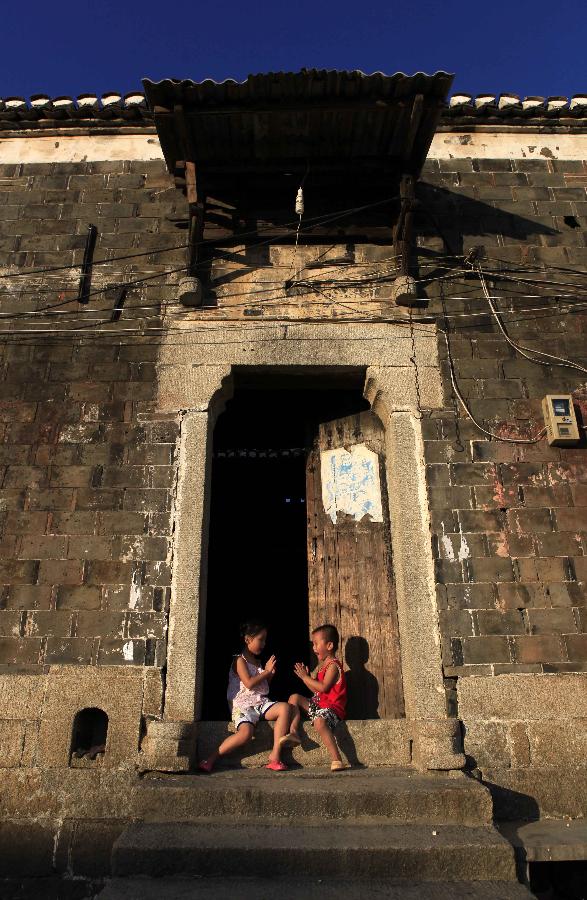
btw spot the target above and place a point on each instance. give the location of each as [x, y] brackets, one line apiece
[306, 889]
[370, 742]
[548, 840]
[395, 795]
[372, 849]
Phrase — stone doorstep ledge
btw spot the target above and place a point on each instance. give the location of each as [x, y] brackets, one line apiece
[300, 888]
[426, 744]
[548, 840]
[534, 793]
[372, 743]
[182, 888]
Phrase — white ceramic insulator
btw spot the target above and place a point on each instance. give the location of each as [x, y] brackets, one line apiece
[300, 202]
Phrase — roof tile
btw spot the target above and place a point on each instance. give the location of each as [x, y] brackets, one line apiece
[41, 110]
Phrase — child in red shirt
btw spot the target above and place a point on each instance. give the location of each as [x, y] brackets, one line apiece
[327, 707]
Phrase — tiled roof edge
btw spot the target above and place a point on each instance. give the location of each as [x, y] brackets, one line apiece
[16, 111]
[484, 106]
[113, 108]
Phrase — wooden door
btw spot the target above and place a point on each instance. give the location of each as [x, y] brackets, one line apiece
[350, 574]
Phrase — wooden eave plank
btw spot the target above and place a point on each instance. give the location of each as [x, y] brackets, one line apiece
[168, 140]
[412, 130]
[358, 130]
[399, 133]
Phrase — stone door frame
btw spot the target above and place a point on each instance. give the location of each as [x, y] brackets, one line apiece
[402, 377]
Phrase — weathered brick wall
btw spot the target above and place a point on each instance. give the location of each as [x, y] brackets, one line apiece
[86, 470]
[509, 520]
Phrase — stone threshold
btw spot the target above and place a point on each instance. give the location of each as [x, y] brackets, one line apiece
[548, 840]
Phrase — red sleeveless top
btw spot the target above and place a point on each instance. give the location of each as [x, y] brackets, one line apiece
[335, 698]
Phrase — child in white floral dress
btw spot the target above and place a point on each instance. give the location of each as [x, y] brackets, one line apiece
[248, 689]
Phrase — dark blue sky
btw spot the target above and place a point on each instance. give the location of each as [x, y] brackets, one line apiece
[68, 47]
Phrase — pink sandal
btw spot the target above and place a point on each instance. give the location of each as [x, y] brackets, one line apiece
[276, 766]
[205, 766]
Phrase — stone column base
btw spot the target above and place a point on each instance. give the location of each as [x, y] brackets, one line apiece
[438, 744]
[168, 747]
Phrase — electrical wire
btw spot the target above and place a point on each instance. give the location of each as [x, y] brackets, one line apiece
[215, 314]
[525, 267]
[185, 329]
[251, 302]
[299, 208]
[506, 277]
[236, 236]
[523, 350]
[96, 262]
[467, 409]
[264, 291]
[451, 273]
[520, 349]
[335, 282]
[317, 220]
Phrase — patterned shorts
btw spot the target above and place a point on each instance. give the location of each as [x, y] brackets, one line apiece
[317, 712]
[252, 714]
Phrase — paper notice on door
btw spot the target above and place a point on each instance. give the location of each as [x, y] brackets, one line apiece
[350, 483]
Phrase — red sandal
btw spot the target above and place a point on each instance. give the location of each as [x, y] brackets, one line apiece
[276, 766]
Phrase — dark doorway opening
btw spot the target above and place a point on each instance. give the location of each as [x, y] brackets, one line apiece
[257, 557]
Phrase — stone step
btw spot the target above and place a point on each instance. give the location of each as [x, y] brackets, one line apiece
[395, 795]
[370, 742]
[307, 889]
[322, 849]
[548, 840]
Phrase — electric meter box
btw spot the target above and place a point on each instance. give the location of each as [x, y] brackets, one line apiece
[560, 420]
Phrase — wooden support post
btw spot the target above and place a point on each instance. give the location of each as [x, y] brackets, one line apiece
[402, 233]
[190, 183]
[196, 209]
[404, 291]
[187, 167]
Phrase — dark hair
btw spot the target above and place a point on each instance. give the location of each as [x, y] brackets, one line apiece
[330, 634]
[252, 628]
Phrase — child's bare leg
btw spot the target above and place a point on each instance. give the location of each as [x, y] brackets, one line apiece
[243, 736]
[300, 703]
[280, 713]
[327, 738]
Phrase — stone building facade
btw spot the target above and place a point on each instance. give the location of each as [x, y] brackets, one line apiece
[107, 437]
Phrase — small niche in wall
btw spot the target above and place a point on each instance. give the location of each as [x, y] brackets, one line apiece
[88, 738]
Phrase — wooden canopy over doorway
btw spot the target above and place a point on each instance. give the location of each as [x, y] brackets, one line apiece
[316, 115]
[248, 145]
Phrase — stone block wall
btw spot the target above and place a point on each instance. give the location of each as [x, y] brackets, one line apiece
[88, 465]
[526, 734]
[37, 713]
[509, 521]
[86, 470]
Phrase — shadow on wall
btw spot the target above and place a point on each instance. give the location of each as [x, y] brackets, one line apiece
[440, 212]
[362, 686]
[510, 805]
[449, 215]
